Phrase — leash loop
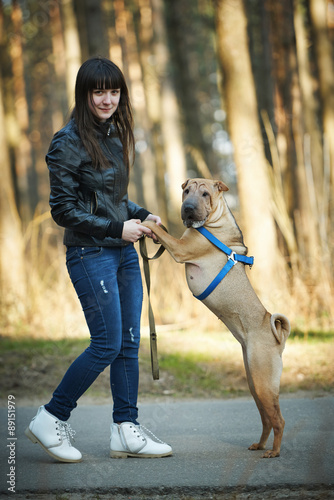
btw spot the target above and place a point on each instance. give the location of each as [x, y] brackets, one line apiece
[153, 334]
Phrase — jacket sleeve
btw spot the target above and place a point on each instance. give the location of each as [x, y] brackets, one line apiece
[63, 160]
[137, 212]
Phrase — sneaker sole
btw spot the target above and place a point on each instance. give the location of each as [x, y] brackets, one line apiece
[35, 440]
[125, 454]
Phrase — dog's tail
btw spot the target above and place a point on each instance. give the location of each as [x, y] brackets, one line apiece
[280, 326]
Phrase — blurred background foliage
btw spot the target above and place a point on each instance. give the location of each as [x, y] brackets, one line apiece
[241, 91]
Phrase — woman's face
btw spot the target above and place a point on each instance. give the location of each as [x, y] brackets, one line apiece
[103, 102]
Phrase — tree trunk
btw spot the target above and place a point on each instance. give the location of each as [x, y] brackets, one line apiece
[21, 144]
[292, 117]
[153, 104]
[324, 52]
[185, 34]
[72, 47]
[143, 177]
[12, 266]
[242, 114]
[92, 28]
[170, 117]
[59, 105]
[324, 57]
[310, 104]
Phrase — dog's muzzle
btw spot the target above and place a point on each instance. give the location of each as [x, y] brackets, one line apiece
[190, 216]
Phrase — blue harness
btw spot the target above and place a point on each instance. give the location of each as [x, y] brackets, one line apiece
[233, 258]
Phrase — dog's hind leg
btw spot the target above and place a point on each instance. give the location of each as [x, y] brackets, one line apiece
[266, 423]
[263, 374]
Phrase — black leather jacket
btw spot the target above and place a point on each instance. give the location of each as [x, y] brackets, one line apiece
[91, 204]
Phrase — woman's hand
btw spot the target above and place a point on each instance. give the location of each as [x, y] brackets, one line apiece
[157, 220]
[154, 218]
[133, 230]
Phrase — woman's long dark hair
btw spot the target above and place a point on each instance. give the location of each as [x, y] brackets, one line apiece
[100, 73]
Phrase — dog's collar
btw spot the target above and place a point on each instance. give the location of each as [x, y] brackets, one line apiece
[232, 260]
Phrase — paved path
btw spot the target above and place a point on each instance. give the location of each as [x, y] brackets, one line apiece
[209, 440]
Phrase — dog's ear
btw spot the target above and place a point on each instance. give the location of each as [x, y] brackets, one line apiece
[185, 183]
[221, 186]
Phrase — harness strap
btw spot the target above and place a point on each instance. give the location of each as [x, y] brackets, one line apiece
[232, 260]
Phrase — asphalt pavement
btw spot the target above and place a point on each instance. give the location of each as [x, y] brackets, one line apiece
[209, 439]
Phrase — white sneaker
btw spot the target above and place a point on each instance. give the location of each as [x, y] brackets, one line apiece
[54, 436]
[130, 440]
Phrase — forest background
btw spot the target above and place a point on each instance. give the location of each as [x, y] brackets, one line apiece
[241, 91]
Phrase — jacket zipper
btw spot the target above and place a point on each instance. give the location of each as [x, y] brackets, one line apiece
[96, 203]
[116, 161]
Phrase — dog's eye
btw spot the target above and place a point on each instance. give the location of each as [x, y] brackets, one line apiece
[186, 191]
[205, 193]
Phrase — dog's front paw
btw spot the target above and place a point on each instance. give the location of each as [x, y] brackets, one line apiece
[149, 223]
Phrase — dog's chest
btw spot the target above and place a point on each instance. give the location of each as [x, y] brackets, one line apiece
[200, 275]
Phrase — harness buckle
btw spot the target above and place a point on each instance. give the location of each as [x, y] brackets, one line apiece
[232, 258]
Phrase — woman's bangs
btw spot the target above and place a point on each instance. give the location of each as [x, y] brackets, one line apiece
[107, 79]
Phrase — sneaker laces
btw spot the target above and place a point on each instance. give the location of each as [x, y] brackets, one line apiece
[149, 434]
[137, 431]
[66, 432]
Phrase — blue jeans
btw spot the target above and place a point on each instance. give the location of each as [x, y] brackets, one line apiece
[108, 283]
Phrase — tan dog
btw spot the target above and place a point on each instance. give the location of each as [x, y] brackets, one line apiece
[261, 335]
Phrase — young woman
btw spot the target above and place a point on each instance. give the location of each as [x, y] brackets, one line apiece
[89, 162]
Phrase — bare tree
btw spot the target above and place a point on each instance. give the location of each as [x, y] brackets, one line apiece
[92, 28]
[153, 100]
[12, 277]
[20, 141]
[169, 114]
[242, 114]
[324, 52]
[72, 47]
[188, 68]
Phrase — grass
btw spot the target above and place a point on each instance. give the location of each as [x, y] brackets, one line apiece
[193, 364]
[316, 336]
[44, 331]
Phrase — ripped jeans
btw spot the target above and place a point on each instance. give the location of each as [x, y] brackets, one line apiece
[108, 283]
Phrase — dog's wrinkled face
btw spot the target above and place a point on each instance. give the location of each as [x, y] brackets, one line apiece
[198, 200]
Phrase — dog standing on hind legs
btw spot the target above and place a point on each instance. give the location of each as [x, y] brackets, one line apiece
[215, 272]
